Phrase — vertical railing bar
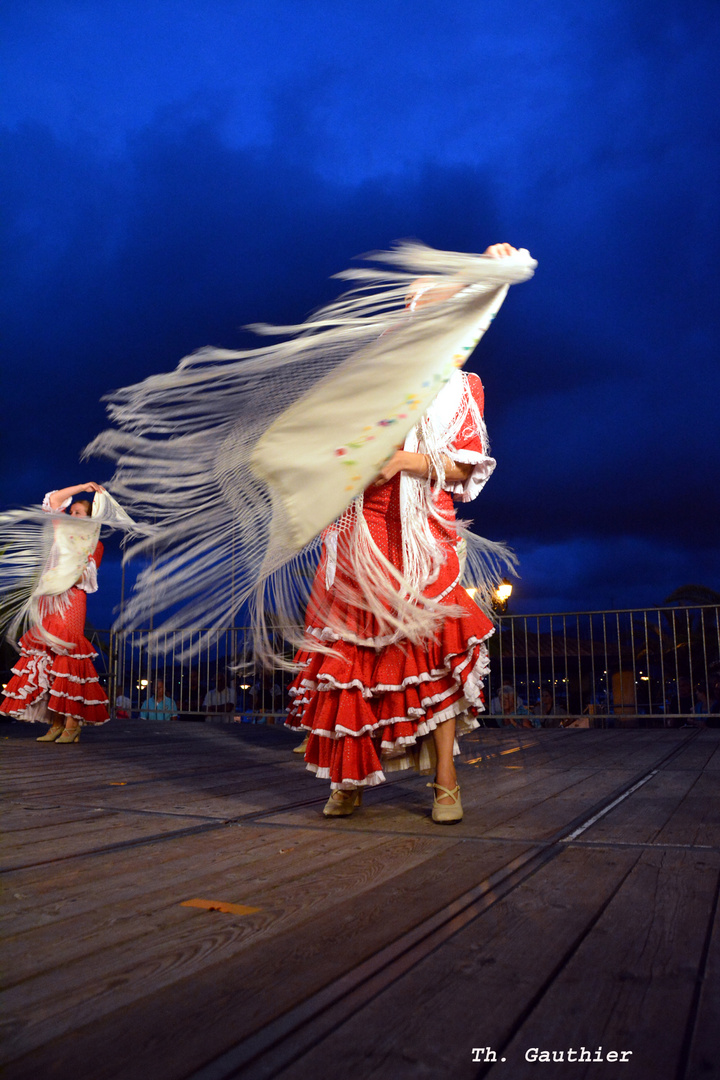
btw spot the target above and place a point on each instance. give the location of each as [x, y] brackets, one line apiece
[689, 649]
[661, 648]
[705, 656]
[566, 677]
[618, 635]
[579, 666]
[651, 712]
[551, 636]
[593, 674]
[537, 633]
[514, 666]
[607, 667]
[633, 661]
[675, 647]
[527, 663]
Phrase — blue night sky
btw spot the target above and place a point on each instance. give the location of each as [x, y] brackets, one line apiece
[174, 170]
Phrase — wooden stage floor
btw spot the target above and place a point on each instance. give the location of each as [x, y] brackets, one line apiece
[574, 907]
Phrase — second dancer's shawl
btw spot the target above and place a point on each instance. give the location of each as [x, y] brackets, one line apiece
[43, 554]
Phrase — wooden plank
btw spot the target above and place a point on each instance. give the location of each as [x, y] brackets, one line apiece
[92, 914]
[470, 992]
[699, 752]
[28, 824]
[533, 805]
[110, 829]
[107, 745]
[203, 752]
[630, 984]
[574, 747]
[642, 816]
[212, 988]
[62, 827]
[114, 955]
[703, 1062]
[712, 737]
[614, 748]
[173, 938]
[542, 809]
[147, 759]
[156, 792]
[696, 820]
[219, 800]
[624, 983]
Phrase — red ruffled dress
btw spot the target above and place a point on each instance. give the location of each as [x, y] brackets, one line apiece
[372, 707]
[46, 681]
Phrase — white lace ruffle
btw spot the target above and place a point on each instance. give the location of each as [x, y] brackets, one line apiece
[466, 490]
[48, 508]
[89, 582]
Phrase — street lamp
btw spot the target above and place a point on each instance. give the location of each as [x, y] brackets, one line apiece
[501, 596]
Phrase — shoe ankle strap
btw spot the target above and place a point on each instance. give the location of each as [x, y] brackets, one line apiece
[446, 791]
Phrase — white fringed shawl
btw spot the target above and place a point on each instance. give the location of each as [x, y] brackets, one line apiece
[241, 459]
[369, 581]
[42, 555]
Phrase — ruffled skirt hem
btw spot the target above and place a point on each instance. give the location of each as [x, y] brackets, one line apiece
[370, 711]
[46, 686]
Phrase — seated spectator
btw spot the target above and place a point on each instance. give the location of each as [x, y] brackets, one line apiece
[123, 706]
[512, 710]
[551, 714]
[707, 707]
[220, 701]
[159, 706]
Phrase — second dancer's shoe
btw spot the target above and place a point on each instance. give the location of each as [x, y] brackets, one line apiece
[69, 735]
[301, 747]
[342, 803]
[52, 733]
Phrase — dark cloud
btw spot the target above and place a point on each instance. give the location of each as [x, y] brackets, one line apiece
[592, 148]
[134, 266]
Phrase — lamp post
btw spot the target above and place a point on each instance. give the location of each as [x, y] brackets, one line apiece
[501, 596]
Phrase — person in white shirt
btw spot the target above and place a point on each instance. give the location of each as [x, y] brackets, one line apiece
[221, 700]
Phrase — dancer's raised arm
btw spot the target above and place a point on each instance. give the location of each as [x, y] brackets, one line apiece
[57, 498]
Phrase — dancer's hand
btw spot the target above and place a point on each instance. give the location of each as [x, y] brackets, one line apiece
[500, 251]
[402, 460]
[425, 291]
[418, 465]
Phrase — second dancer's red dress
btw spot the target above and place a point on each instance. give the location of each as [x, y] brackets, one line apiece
[371, 707]
[52, 682]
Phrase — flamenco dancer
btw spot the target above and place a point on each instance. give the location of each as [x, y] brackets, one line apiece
[333, 457]
[380, 702]
[55, 680]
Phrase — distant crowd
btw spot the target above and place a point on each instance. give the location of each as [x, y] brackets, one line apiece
[222, 696]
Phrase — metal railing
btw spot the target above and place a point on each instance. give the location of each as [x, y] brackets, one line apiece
[216, 683]
[651, 667]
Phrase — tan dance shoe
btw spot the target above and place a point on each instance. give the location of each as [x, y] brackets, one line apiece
[301, 748]
[52, 733]
[342, 803]
[446, 813]
[69, 735]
